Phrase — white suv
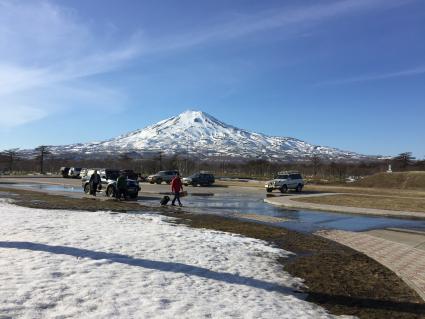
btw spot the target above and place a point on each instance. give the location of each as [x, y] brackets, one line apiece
[284, 181]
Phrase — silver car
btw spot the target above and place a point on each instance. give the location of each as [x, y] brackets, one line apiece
[74, 172]
[284, 181]
[162, 176]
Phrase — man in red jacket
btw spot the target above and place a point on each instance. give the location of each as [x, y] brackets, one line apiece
[176, 186]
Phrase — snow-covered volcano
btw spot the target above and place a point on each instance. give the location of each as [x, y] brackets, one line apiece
[204, 136]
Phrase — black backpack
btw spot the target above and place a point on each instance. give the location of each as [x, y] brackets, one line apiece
[164, 201]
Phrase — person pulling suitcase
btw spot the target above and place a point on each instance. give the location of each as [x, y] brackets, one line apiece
[176, 187]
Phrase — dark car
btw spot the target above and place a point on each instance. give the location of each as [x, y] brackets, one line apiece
[202, 179]
[64, 172]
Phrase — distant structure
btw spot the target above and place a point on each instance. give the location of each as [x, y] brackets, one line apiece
[389, 170]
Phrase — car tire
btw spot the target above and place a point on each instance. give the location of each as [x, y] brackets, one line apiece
[110, 192]
[158, 181]
[299, 188]
[269, 190]
[284, 189]
[134, 196]
[168, 182]
[87, 188]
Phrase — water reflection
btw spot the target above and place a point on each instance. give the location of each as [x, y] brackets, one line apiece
[230, 203]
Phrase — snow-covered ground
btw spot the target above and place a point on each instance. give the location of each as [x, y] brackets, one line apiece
[68, 264]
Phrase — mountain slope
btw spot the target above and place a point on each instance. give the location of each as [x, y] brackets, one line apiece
[202, 135]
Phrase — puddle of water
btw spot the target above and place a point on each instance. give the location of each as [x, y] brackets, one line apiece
[235, 204]
[57, 188]
[300, 220]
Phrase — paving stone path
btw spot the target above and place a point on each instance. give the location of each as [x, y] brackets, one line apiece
[407, 262]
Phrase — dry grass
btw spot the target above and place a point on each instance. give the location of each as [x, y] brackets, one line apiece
[258, 184]
[365, 201]
[414, 180]
[365, 191]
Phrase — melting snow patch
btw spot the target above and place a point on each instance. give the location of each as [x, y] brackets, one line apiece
[56, 263]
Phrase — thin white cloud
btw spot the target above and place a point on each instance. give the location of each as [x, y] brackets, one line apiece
[289, 19]
[45, 52]
[17, 115]
[373, 77]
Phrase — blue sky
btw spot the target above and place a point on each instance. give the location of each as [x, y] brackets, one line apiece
[348, 74]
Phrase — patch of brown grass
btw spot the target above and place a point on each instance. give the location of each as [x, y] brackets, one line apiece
[364, 190]
[399, 180]
[365, 201]
[34, 199]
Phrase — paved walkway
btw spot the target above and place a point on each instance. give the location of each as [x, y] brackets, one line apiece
[289, 202]
[412, 238]
[406, 261]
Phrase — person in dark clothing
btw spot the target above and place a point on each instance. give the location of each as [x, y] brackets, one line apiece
[94, 183]
[122, 187]
[176, 187]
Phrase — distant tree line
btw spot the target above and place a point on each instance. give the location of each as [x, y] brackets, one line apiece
[314, 167]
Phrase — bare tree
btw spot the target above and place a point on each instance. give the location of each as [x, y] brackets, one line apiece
[125, 161]
[403, 160]
[160, 158]
[315, 162]
[11, 156]
[42, 150]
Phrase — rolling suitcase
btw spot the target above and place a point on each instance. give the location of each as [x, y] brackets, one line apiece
[164, 200]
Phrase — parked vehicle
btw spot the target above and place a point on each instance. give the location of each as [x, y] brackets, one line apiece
[84, 172]
[201, 179]
[74, 172]
[64, 171]
[162, 176]
[130, 174]
[284, 181]
[108, 183]
[141, 178]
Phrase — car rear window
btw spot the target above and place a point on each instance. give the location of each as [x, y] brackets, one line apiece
[282, 177]
[112, 175]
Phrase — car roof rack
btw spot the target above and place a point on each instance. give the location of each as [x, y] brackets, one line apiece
[288, 172]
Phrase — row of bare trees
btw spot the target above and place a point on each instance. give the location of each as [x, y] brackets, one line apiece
[314, 167]
[11, 158]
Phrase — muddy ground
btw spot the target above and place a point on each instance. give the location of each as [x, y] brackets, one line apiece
[338, 278]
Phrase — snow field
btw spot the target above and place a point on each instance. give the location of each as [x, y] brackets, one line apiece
[71, 264]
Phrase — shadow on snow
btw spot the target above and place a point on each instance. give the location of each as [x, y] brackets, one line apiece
[149, 264]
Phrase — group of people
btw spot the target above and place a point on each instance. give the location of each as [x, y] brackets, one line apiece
[121, 189]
